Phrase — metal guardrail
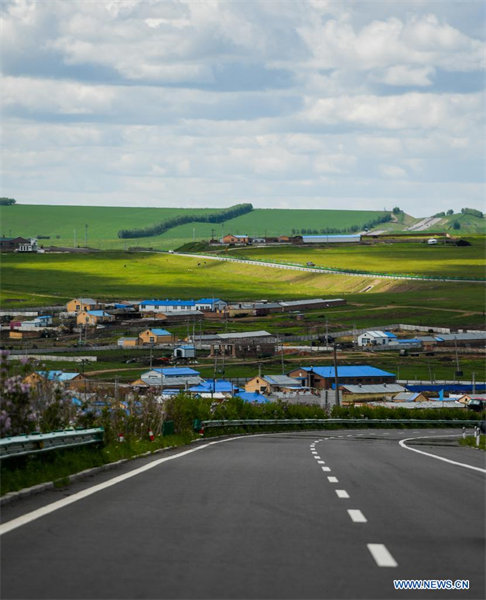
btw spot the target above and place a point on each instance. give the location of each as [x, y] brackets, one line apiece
[323, 422]
[21, 445]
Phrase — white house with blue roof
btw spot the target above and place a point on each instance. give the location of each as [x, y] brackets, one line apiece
[376, 338]
[181, 306]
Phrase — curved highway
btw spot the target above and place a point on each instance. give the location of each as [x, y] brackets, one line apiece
[301, 515]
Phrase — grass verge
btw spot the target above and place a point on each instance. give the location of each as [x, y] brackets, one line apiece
[470, 440]
[25, 471]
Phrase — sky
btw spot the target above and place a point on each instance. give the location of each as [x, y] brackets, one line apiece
[284, 104]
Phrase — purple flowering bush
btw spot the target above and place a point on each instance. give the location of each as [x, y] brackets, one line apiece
[17, 415]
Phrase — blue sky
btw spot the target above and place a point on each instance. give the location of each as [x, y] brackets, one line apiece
[285, 104]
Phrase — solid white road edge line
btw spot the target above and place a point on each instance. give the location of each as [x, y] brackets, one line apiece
[381, 555]
[447, 460]
[49, 508]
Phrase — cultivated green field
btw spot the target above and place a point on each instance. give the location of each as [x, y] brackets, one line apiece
[61, 223]
[407, 258]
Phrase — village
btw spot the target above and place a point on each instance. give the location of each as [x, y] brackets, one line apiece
[175, 336]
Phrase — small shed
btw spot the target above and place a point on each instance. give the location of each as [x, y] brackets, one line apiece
[127, 342]
[93, 317]
[185, 351]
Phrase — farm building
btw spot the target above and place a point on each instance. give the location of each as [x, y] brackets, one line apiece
[410, 397]
[369, 393]
[252, 397]
[81, 304]
[167, 306]
[311, 304]
[240, 345]
[324, 377]
[155, 336]
[93, 317]
[376, 338]
[331, 239]
[22, 334]
[235, 239]
[172, 377]
[268, 384]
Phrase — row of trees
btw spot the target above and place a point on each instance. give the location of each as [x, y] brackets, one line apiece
[351, 229]
[7, 201]
[216, 217]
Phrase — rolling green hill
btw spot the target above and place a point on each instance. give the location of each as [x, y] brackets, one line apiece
[66, 225]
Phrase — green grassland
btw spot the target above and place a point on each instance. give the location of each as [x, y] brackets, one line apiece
[60, 222]
[407, 258]
[45, 279]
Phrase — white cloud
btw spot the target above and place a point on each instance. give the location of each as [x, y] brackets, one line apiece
[279, 103]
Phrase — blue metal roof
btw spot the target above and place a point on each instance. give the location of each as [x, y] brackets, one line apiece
[176, 371]
[210, 385]
[389, 334]
[350, 371]
[57, 375]
[324, 235]
[160, 331]
[447, 387]
[207, 300]
[254, 397]
[167, 303]
[98, 313]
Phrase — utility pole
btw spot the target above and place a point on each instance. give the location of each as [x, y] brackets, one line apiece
[75, 238]
[336, 378]
[282, 357]
[86, 236]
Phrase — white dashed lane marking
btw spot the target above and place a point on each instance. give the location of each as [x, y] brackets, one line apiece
[382, 557]
[357, 516]
[321, 462]
[326, 469]
[342, 494]
[332, 479]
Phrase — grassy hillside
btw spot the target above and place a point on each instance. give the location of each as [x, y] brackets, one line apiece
[31, 280]
[409, 259]
[60, 223]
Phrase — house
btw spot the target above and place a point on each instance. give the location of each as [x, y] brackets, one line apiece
[30, 245]
[268, 384]
[324, 377]
[8, 244]
[81, 304]
[376, 338]
[235, 239]
[172, 377]
[210, 304]
[155, 336]
[167, 306]
[185, 351]
[93, 317]
[127, 342]
[71, 380]
[311, 303]
[215, 388]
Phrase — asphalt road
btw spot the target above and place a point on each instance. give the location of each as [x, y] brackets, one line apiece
[258, 517]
